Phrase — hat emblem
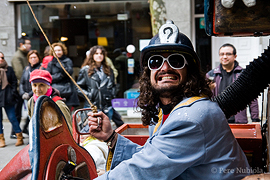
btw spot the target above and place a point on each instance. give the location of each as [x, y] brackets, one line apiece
[168, 32]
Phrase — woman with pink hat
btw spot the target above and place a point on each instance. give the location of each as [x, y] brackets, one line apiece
[41, 85]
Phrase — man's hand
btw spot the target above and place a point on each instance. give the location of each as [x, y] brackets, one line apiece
[99, 125]
[212, 85]
[100, 172]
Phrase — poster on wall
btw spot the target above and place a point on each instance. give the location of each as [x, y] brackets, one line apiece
[130, 66]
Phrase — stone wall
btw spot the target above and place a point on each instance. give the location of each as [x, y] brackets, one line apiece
[7, 29]
[179, 11]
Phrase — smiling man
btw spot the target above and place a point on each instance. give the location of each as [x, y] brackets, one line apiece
[189, 134]
[224, 75]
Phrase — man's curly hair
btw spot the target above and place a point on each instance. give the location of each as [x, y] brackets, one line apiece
[148, 100]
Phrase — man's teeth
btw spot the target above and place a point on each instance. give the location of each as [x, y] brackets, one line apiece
[169, 77]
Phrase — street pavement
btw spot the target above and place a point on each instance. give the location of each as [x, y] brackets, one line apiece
[8, 152]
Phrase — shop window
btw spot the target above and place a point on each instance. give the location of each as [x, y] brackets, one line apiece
[118, 23]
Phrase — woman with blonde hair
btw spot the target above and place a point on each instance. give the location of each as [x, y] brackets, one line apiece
[60, 79]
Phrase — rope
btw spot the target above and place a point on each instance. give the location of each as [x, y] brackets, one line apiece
[94, 108]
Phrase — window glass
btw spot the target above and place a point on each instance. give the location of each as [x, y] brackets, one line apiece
[122, 23]
[114, 24]
[199, 6]
[203, 44]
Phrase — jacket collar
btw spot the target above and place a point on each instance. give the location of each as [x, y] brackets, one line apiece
[217, 70]
[183, 103]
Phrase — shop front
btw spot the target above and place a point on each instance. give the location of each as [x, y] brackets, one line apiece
[81, 25]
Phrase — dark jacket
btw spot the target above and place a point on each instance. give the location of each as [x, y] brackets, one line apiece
[240, 117]
[9, 95]
[60, 77]
[99, 91]
[25, 85]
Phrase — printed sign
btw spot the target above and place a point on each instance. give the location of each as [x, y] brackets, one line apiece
[122, 102]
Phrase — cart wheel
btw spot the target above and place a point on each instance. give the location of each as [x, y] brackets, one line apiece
[59, 158]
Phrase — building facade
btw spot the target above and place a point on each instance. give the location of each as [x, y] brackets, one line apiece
[84, 23]
[113, 24]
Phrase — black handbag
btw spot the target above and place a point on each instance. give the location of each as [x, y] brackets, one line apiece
[11, 96]
[65, 89]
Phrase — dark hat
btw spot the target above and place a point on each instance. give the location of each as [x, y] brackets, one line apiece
[169, 39]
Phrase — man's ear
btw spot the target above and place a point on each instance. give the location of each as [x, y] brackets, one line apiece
[235, 56]
[21, 45]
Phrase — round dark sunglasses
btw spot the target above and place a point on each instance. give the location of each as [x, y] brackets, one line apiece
[176, 61]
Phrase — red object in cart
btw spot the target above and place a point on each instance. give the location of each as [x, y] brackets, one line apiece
[51, 150]
[137, 133]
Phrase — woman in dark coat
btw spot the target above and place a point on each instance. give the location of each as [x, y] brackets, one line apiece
[34, 63]
[8, 96]
[25, 88]
[96, 79]
[60, 79]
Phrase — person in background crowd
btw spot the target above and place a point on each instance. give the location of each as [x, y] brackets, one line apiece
[224, 75]
[8, 98]
[25, 88]
[41, 85]
[47, 57]
[97, 149]
[189, 134]
[121, 65]
[60, 79]
[110, 64]
[97, 81]
[19, 62]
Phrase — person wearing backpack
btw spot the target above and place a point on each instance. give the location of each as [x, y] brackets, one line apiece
[41, 85]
